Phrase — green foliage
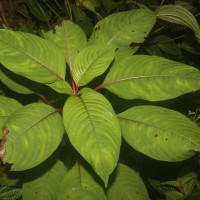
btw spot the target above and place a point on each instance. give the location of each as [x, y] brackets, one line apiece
[101, 103]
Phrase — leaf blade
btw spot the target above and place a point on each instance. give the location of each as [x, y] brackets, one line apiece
[98, 130]
[179, 15]
[70, 38]
[79, 184]
[92, 62]
[31, 56]
[46, 185]
[123, 29]
[7, 107]
[123, 186]
[154, 130]
[42, 127]
[145, 77]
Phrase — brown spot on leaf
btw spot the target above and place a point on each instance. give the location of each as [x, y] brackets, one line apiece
[156, 135]
[5, 130]
[97, 28]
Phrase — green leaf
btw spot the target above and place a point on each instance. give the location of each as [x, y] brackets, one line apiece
[39, 10]
[160, 133]
[167, 45]
[127, 184]
[187, 178]
[124, 30]
[7, 107]
[92, 62]
[32, 134]
[10, 83]
[70, 38]
[88, 4]
[31, 56]
[145, 77]
[174, 195]
[80, 184]
[179, 15]
[47, 185]
[93, 130]
[61, 87]
[10, 193]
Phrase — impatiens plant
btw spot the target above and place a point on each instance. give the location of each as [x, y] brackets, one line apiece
[67, 144]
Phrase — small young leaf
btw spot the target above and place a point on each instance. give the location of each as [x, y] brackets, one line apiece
[124, 30]
[79, 184]
[70, 38]
[7, 107]
[160, 133]
[145, 77]
[92, 62]
[33, 133]
[127, 184]
[45, 186]
[93, 130]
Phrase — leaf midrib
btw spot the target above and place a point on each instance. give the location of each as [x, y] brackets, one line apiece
[89, 65]
[38, 121]
[158, 127]
[93, 127]
[35, 59]
[147, 77]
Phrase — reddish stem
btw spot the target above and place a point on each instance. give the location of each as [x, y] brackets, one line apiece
[44, 99]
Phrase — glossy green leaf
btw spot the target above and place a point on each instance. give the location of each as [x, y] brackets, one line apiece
[70, 38]
[33, 132]
[38, 9]
[124, 30]
[127, 184]
[160, 133]
[31, 56]
[7, 107]
[79, 184]
[145, 77]
[93, 130]
[179, 15]
[47, 185]
[92, 62]
[10, 83]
